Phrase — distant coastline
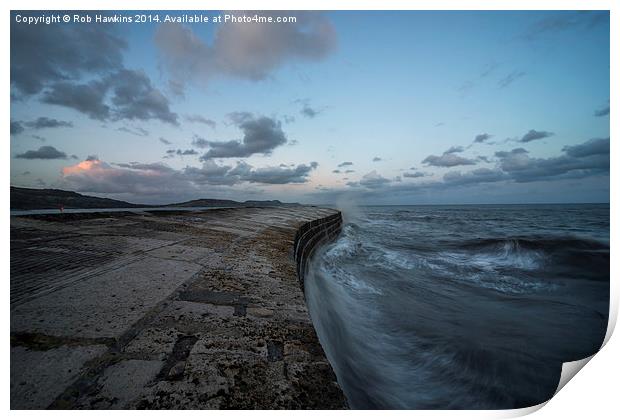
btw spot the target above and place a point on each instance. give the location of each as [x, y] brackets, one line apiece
[54, 199]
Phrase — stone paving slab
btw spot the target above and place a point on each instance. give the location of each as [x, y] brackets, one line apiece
[179, 310]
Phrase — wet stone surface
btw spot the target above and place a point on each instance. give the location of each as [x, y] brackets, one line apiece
[187, 310]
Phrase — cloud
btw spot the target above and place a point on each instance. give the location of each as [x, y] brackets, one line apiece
[44, 122]
[589, 148]
[135, 98]
[179, 152]
[40, 138]
[80, 66]
[476, 176]
[95, 176]
[481, 138]
[602, 112]
[244, 50]
[44, 152]
[158, 179]
[343, 164]
[164, 141]
[510, 78]
[201, 120]
[87, 98]
[306, 110]
[449, 158]
[132, 97]
[371, 180]
[585, 160]
[276, 175]
[349, 171]
[336, 171]
[16, 128]
[417, 174]
[260, 135]
[309, 112]
[44, 54]
[377, 159]
[579, 161]
[535, 135]
[200, 142]
[137, 131]
[454, 149]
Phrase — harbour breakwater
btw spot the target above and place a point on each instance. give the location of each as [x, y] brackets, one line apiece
[312, 234]
[172, 310]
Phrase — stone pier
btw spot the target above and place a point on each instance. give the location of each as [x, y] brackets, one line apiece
[173, 310]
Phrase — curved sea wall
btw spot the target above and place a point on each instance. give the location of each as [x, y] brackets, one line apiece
[309, 236]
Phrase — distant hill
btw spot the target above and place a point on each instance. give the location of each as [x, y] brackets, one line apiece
[39, 199]
[212, 202]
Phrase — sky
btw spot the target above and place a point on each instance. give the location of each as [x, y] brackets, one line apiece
[371, 107]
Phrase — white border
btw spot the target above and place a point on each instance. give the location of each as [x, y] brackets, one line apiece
[592, 394]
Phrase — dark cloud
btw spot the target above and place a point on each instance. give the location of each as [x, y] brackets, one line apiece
[579, 161]
[336, 171]
[44, 152]
[132, 97]
[135, 98]
[164, 141]
[244, 50]
[137, 131]
[80, 66]
[589, 148]
[44, 122]
[454, 149]
[87, 98]
[602, 112]
[179, 152]
[481, 138]
[377, 159]
[343, 164]
[44, 54]
[449, 158]
[349, 171]
[276, 175]
[16, 128]
[307, 110]
[535, 135]
[260, 135]
[201, 120]
[200, 142]
[510, 78]
[417, 174]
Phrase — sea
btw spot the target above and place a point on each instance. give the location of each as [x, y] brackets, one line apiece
[460, 307]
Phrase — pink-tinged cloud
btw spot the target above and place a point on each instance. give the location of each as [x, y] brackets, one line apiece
[158, 179]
